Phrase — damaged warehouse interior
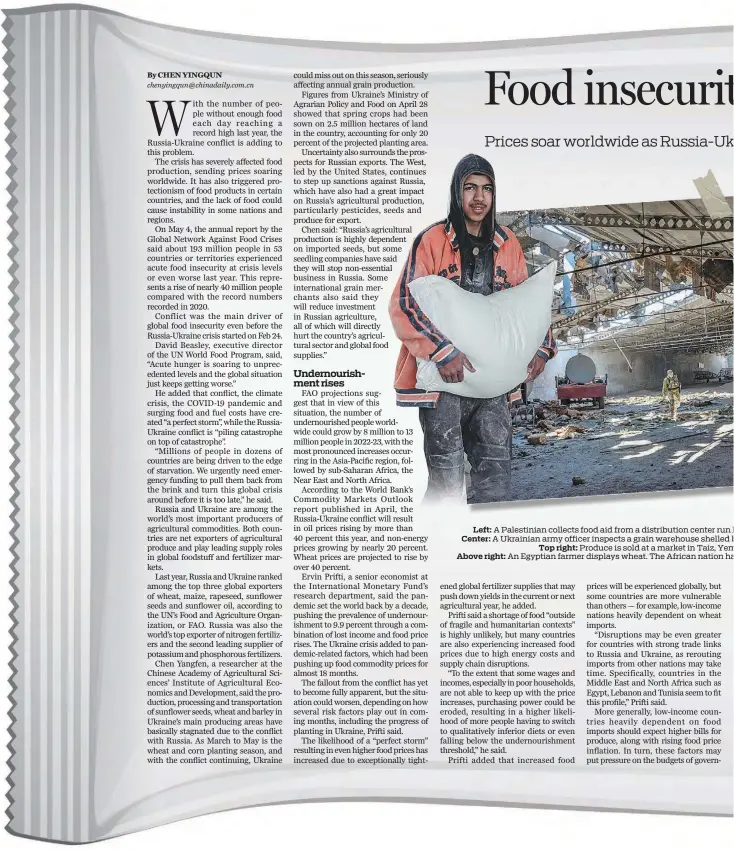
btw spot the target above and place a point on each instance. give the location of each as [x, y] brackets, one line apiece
[641, 289]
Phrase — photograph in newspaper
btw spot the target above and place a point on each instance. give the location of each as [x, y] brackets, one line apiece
[648, 280]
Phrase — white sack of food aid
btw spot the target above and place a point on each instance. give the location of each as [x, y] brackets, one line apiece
[499, 333]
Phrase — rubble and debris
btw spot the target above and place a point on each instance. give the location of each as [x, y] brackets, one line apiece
[631, 416]
[571, 413]
[637, 317]
[630, 446]
[568, 432]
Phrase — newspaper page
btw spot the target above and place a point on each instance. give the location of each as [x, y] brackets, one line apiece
[374, 416]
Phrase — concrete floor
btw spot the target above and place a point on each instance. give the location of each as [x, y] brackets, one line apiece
[631, 446]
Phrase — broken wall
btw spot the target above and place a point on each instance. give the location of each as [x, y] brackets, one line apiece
[685, 366]
[648, 369]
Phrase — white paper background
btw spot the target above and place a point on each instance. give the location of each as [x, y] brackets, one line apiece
[358, 825]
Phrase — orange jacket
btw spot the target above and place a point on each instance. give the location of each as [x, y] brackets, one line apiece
[435, 251]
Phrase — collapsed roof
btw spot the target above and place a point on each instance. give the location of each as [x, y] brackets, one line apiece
[652, 276]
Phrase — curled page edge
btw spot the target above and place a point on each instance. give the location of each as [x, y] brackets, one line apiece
[12, 220]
